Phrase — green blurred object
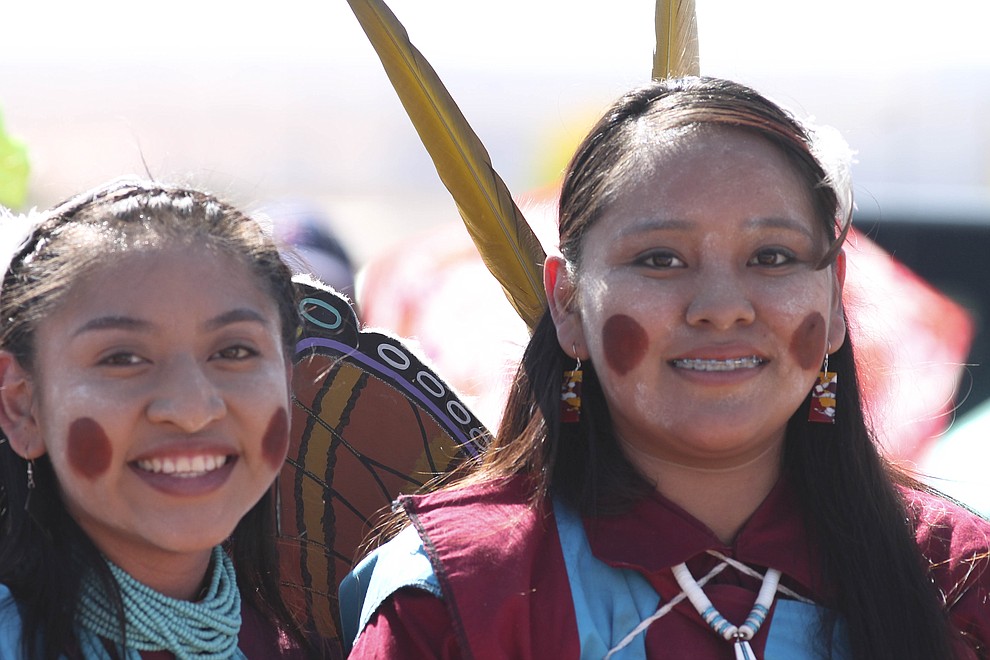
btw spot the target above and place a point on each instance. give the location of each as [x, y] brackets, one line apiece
[14, 170]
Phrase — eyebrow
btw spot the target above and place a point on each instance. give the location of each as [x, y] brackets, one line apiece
[131, 324]
[780, 223]
[654, 224]
[112, 323]
[239, 315]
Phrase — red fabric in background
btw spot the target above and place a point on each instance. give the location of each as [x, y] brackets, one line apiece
[911, 340]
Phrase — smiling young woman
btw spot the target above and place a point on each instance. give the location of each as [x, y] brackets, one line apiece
[145, 369]
[693, 511]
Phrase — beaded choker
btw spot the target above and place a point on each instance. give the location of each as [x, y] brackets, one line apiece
[204, 630]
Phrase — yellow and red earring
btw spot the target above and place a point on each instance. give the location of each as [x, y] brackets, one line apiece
[822, 409]
[570, 392]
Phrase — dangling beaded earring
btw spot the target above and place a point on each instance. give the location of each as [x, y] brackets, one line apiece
[570, 392]
[30, 485]
[822, 409]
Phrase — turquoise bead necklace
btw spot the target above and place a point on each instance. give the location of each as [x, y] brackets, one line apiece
[204, 630]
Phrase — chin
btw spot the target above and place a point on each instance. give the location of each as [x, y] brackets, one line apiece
[192, 538]
[189, 544]
[729, 443]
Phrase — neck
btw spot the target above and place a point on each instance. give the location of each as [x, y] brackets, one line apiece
[722, 498]
[181, 576]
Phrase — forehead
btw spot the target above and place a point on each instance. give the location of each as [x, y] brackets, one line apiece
[686, 171]
[712, 180]
[666, 152]
[177, 278]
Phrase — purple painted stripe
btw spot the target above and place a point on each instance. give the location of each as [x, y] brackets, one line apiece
[353, 353]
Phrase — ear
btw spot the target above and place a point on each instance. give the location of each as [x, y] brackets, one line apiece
[558, 281]
[837, 320]
[17, 414]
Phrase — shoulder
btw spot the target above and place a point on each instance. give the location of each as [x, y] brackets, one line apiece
[497, 557]
[489, 536]
[953, 540]
[510, 492]
[261, 637]
[453, 533]
[400, 563]
[496, 520]
[10, 624]
[410, 625]
[945, 529]
[481, 550]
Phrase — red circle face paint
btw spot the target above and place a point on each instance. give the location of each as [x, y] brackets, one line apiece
[625, 343]
[275, 442]
[808, 342]
[89, 448]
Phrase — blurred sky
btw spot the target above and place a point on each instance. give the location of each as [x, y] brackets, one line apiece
[261, 100]
[521, 35]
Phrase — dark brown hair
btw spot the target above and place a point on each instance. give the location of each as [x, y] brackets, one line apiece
[43, 552]
[875, 576]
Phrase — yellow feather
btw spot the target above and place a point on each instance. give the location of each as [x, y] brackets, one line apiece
[677, 40]
[506, 242]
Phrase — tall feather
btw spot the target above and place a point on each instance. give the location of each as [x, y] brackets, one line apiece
[677, 40]
[505, 240]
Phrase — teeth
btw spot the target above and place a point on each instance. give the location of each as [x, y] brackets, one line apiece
[183, 466]
[719, 365]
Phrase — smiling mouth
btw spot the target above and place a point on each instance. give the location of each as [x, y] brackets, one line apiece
[184, 466]
[750, 362]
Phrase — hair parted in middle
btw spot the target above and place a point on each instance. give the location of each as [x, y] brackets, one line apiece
[832, 468]
[43, 551]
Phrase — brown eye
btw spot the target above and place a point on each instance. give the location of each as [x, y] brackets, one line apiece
[661, 260]
[121, 359]
[235, 353]
[772, 257]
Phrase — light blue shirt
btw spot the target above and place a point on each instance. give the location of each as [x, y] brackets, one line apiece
[11, 626]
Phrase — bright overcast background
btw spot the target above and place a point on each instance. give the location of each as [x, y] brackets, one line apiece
[263, 101]
[266, 100]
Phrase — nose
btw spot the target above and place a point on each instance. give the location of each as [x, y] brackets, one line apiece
[184, 395]
[720, 301]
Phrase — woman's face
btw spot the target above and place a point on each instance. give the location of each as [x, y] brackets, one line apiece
[161, 395]
[699, 304]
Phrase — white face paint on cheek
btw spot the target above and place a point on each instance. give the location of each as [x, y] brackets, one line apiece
[818, 296]
[592, 287]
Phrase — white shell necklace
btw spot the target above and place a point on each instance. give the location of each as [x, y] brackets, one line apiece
[739, 635]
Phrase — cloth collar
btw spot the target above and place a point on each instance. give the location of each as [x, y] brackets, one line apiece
[656, 534]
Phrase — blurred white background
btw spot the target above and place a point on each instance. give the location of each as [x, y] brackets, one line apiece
[266, 100]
